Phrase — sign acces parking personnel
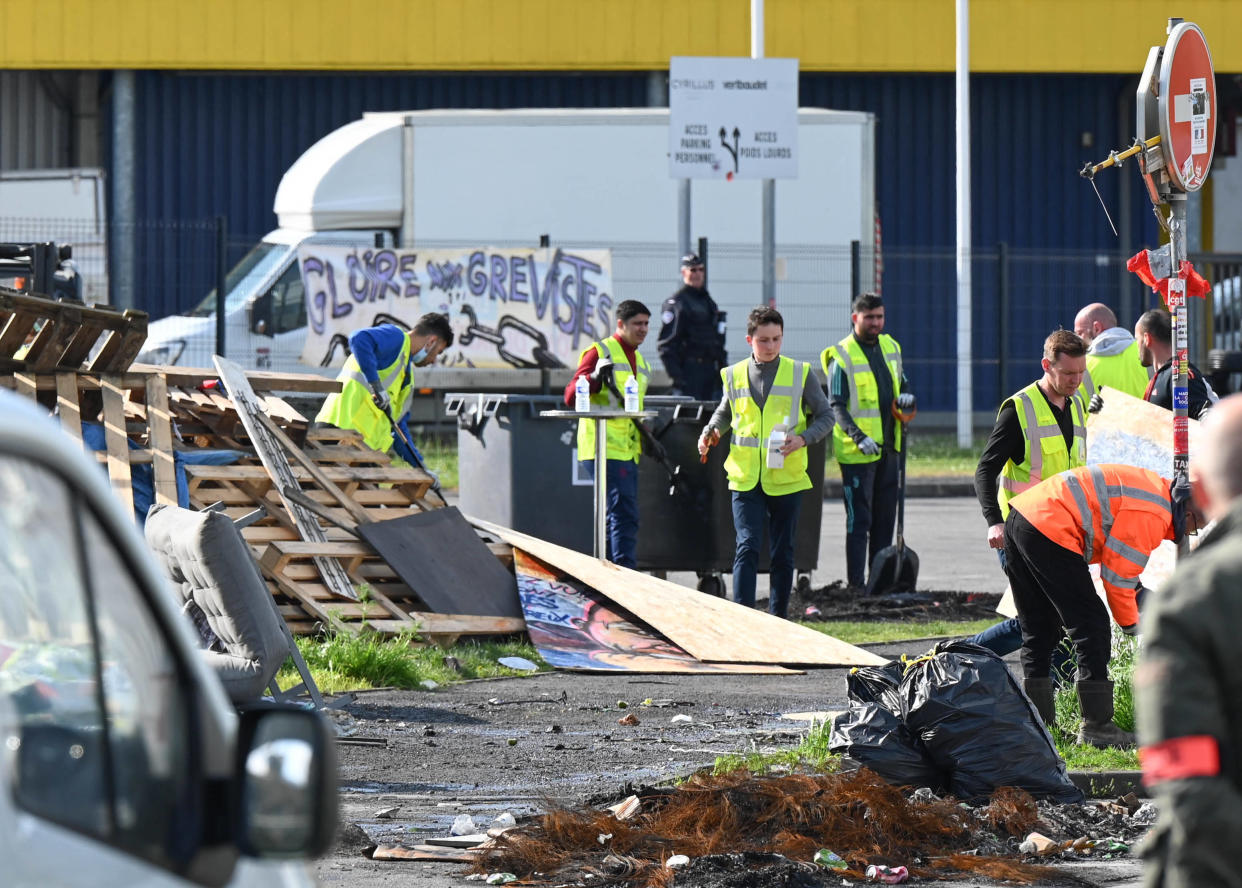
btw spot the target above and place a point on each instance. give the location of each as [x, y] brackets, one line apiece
[1187, 106]
[733, 118]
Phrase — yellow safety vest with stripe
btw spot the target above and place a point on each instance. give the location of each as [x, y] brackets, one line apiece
[864, 405]
[352, 407]
[746, 464]
[623, 441]
[1123, 372]
[1044, 452]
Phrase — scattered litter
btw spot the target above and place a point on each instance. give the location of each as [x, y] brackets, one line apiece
[342, 722]
[889, 875]
[625, 809]
[648, 702]
[519, 663]
[387, 813]
[501, 878]
[468, 841]
[603, 838]
[1037, 843]
[553, 729]
[476, 877]
[453, 663]
[621, 704]
[513, 741]
[502, 821]
[681, 719]
[830, 859]
[811, 611]
[630, 720]
[677, 860]
[463, 825]
[428, 685]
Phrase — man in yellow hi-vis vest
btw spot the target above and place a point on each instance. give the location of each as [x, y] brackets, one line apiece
[1040, 431]
[766, 400]
[377, 382]
[1112, 353]
[865, 377]
[616, 357]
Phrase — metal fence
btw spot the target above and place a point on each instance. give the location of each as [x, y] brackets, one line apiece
[1018, 296]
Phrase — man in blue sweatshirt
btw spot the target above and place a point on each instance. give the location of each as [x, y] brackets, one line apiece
[377, 383]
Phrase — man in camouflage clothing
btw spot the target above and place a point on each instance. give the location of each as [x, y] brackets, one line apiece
[1188, 690]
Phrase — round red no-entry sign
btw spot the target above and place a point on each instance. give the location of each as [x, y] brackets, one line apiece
[1187, 106]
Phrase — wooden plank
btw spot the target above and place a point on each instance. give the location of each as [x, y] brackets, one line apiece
[67, 404]
[50, 343]
[337, 474]
[80, 345]
[355, 510]
[26, 384]
[423, 852]
[465, 624]
[438, 556]
[261, 380]
[16, 328]
[116, 440]
[279, 470]
[159, 421]
[711, 629]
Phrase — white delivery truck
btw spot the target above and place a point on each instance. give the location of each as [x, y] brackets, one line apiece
[589, 179]
[65, 206]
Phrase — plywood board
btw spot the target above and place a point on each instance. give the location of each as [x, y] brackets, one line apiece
[575, 628]
[1134, 432]
[439, 556]
[708, 628]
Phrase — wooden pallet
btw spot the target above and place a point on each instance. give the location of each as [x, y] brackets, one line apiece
[42, 335]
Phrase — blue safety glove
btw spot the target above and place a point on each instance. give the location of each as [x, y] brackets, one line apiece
[868, 446]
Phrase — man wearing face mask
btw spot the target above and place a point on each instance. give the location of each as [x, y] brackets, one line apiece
[377, 383]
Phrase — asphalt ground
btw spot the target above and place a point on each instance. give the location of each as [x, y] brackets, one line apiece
[520, 744]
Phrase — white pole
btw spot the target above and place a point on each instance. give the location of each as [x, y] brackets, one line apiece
[964, 405]
[768, 234]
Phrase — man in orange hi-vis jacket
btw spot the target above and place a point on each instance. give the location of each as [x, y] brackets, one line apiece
[1111, 515]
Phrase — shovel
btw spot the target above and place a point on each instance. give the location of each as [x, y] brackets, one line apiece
[896, 568]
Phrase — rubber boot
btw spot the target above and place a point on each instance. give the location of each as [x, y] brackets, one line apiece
[1043, 695]
[1096, 700]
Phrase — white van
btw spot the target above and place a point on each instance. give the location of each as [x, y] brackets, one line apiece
[122, 762]
[264, 309]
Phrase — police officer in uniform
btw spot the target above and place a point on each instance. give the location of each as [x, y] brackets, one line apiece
[692, 336]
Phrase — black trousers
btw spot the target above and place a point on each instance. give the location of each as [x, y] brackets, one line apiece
[1052, 588]
[870, 492]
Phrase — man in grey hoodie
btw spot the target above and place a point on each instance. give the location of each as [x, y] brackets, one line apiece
[1112, 354]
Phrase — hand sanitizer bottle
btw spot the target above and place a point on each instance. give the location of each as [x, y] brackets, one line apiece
[582, 395]
[631, 395]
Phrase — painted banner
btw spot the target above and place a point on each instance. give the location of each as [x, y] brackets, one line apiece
[524, 308]
[576, 628]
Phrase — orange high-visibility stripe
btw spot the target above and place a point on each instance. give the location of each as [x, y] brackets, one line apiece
[1180, 758]
[1114, 515]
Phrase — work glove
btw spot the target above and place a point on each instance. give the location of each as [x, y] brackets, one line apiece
[1131, 630]
[1140, 596]
[1096, 404]
[379, 397]
[868, 446]
[602, 371]
[905, 401]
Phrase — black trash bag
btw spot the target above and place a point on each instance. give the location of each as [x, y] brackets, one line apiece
[977, 724]
[874, 737]
[876, 684]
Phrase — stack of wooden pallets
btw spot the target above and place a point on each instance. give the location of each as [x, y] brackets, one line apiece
[149, 412]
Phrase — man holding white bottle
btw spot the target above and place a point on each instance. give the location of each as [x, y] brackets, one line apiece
[767, 399]
[614, 365]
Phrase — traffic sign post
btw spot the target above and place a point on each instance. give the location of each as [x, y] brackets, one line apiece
[732, 118]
